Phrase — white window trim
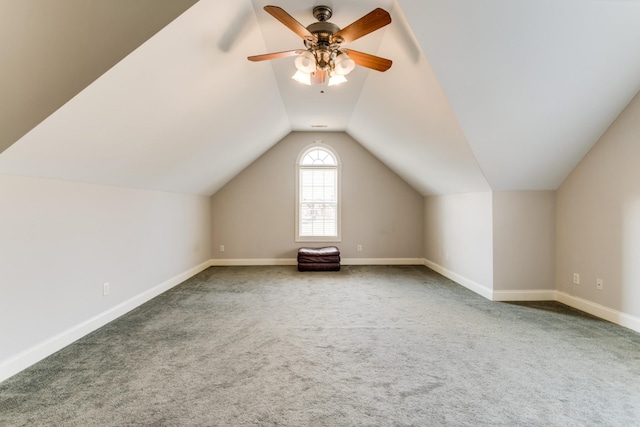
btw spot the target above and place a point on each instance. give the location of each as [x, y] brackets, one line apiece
[326, 239]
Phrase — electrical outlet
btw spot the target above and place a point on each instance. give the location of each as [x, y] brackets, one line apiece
[359, 248]
[221, 248]
[105, 289]
[599, 284]
[576, 278]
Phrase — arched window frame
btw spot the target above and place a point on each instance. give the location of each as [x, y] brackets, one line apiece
[300, 167]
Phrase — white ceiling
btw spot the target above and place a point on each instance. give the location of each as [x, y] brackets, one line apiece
[482, 95]
[51, 50]
[532, 83]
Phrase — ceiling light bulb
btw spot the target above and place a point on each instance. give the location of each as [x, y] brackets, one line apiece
[343, 64]
[306, 62]
[302, 77]
[337, 79]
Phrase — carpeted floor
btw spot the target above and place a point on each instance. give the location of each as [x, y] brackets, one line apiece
[366, 346]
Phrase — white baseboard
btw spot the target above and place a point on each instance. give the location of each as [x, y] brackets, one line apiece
[529, 295]
[461, 280]
[381, 261]
[23, 360]
[292, 261]
[226, 262]
[606, 313]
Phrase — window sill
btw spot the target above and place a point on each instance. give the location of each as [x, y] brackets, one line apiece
[318, 240]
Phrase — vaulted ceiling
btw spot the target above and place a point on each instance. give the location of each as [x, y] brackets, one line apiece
[482, 95]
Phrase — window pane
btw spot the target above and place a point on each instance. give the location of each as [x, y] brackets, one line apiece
[318, 185]
[318, 219]
[318, 157]
[318, 194]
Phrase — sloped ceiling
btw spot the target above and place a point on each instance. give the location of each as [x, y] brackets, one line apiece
[482, 95]
[51, 50]
[533, 84]
[185, 112]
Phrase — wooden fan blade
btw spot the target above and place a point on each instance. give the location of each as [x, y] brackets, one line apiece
[275, 55]
[372, 21]
[318, 77]
[369, 61]
[289, 21]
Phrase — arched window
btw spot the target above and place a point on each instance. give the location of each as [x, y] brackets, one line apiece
[317, 195]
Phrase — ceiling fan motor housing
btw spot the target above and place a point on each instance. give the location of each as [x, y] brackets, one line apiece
[323, 30]
[324, 47]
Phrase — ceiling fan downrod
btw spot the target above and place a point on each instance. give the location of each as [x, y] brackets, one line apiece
[322, 13]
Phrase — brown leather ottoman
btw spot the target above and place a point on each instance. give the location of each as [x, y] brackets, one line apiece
[319, 259]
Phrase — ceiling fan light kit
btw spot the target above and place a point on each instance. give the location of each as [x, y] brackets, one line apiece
[336, 79]
[302, 77]
[343, 65]
[323, 54]
[306, 62]
[336, 65]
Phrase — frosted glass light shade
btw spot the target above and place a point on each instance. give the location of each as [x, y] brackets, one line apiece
[344, 65]
[337, 79]
[306, 62]
[302, 77]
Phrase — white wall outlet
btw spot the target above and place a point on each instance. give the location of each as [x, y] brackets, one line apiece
[599, 284]
[221, 248]
[359, 248]
[576, 278]
[105, 289]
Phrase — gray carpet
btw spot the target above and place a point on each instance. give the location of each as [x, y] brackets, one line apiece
[366, 346]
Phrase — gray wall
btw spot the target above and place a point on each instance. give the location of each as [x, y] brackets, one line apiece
[493, 241]
[598, 219]
[61, 241]
[524, 240]
[253, 215]
[458, 238]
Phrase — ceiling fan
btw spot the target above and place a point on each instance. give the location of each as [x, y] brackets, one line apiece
[323, 54]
